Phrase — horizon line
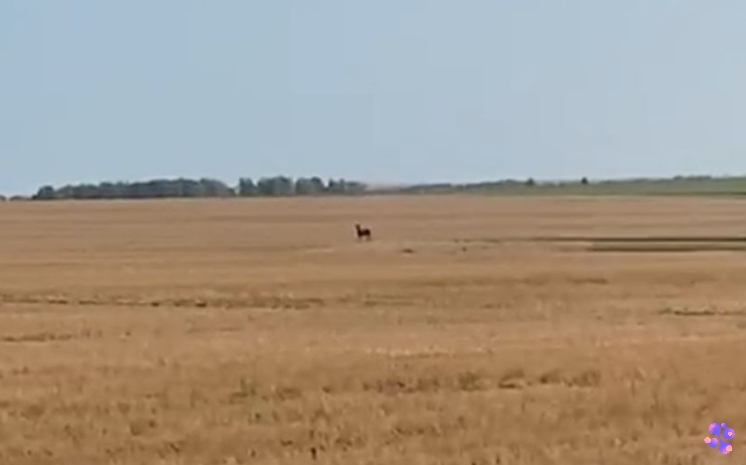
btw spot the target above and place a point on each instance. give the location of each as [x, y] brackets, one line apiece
[398, 185]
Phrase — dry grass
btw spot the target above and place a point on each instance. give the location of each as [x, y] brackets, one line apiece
[232, 332]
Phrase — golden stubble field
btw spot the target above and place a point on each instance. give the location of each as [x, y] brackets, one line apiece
[261, 331]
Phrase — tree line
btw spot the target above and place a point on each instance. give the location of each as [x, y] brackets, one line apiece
[278, 186]
[281, 186]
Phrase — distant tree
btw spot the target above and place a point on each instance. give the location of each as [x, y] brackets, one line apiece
[247, 188]
[215, 188]
[333, 186]
[530, 182]
[65, 192]
[283, 186]
[584, 181]
[264, 187]
[45, 193]
[302, 187]
[85, 191]
[277, 186]
[344, 187]
[108, 190]
[3, 198]
[317, 185]
[312, 186]
[352, 187]
[191, 188]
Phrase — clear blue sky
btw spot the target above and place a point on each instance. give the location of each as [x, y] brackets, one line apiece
[386, 90]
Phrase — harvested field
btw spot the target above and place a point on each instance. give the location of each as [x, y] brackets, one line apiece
[471, 330]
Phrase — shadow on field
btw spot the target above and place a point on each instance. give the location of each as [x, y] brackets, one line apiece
[636, 243]
[642, 239]
[667, 247]
[659, 243]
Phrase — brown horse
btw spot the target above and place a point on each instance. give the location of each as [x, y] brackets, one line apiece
[363, 233]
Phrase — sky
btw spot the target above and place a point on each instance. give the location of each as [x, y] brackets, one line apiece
[387, 91]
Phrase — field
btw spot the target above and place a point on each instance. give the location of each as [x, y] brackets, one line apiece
[471, 330]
